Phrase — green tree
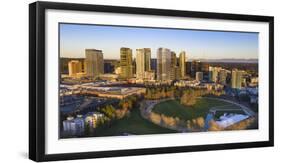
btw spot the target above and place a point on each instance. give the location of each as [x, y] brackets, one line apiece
[87, 130]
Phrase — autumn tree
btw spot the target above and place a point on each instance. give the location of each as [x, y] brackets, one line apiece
[213, 126]
[109, 110]
[155, 118]
[188, 98]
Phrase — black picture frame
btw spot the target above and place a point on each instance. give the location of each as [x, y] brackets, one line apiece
[37, 80]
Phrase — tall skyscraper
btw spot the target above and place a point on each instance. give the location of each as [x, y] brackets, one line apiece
[182, 65]
[214, 73]
[188, 68]
[223, 76]
[134, 66]
[143, 58]
[218, 75]
[74, 67]
[126, 63]
[236, 78]
[173, 69]
[153, 64]
[205, 70]
[196, 66]
[163, 64]
[94, 62]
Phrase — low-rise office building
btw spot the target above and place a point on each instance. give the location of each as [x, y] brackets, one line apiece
[73, 126]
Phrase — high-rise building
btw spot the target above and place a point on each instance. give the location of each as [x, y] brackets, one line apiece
[94, 62]
[214, 73]
[222, 76]
[153, 64]
[126, 63]
[64, 64]
[143, 58]
[199, 76]
[110, 65]
[134, 66]
[182, 66]
[205, 70]
[188, 68]
[163, 64]
[218, 75]
[236, 78]
[173, 69]
[173, 59]
[196, 66]
[74, 67]
[147, 64]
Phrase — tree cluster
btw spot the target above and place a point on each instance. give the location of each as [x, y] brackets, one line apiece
[193, 125]
[121, 110]
[162, 92]
[190, 96]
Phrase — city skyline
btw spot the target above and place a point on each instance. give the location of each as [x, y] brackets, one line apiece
[74, 39]
[120, 85]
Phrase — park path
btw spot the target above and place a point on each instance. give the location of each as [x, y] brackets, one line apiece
[147, 106]
[146, 109]
[247, 110]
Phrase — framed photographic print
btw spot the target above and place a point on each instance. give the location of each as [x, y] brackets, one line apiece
[117, 81]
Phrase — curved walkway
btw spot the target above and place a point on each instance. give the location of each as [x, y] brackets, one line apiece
[247, 110]
[146, 109]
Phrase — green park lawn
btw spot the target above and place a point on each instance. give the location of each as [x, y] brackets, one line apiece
[133, 124]
[173, 108]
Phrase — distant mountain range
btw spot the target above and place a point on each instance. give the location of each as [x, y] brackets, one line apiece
[229, 60]
[226, 60]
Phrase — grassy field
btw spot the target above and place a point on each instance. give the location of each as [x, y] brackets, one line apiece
[200, 109]
[134, 124]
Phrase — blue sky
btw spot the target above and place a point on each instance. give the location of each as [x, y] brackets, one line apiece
[74, 39]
